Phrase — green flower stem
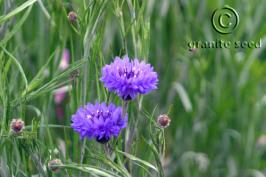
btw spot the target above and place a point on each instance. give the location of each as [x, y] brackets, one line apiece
[82, 152]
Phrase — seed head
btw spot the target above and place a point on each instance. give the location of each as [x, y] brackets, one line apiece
[163, 121]
[53, 165]
[72, 17]
[17, 126]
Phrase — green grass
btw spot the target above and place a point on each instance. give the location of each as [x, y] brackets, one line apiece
[214, 97]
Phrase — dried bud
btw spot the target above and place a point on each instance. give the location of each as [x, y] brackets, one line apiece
[72, 17]
[74, 74]
[17, 125]
[163, 121]
[54, 164]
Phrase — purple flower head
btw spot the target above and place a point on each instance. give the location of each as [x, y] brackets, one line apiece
[99, 121]
[129, 78]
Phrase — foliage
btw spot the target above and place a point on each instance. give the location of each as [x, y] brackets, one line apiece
[214, 97]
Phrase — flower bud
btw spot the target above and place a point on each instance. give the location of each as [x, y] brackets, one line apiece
[163, 121]
[53, 165]
[17, 125]
[72, 17]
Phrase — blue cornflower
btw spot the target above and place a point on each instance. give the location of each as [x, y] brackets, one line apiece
[129, 78]
[99, 121]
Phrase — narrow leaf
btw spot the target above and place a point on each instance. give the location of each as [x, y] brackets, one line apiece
[15, 61]
[139, 161]
[16, 11]
[91, 170]
[183, 96]
[17, 26]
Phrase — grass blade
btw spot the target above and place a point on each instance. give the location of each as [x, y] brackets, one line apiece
[91, 170]
[138, 161]
[15, 61]
[16, 11]
[183, 96]
[16, 27]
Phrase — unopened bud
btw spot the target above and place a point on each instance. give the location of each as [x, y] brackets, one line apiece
[72, 17]
[163, 121]
[17, 125]
[54, 164]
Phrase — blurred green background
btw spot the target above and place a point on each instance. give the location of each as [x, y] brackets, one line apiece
[215, 97]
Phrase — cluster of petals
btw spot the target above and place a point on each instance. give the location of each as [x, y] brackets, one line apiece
[99, 121]
[128, 78]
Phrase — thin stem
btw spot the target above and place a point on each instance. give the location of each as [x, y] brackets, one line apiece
[124, 108]
[107, 150]
[132, 132]
[36, 159]
[48, 126]
[126, 138]
[82, 152]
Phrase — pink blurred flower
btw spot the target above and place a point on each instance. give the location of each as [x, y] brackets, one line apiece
[64, 60]
[60, 94]
[59, 97]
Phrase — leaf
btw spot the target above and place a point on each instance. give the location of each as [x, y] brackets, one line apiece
[256, 173]
[16, 11]
[150, 116]
[119, 168]
[35, 110]
[17, 26]
[58, 81]
[15, 61]
[39, 77]
[91, 170]
[45, 11]
[138, 161]
[183, 96]
[156, 156]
